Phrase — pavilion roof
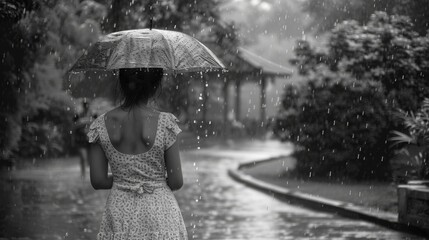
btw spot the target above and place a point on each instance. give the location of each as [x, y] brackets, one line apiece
[263, 65]
[243, 61]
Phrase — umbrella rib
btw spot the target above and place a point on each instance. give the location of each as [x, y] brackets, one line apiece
[216, 59]
[171, 51]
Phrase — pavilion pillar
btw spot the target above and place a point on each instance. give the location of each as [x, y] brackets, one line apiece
[237, 99]
[205, 98]
[225, 105]
[263, 84]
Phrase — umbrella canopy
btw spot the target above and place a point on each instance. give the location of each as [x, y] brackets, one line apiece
[148, 48]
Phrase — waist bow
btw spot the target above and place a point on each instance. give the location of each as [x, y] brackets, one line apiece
[141, 188]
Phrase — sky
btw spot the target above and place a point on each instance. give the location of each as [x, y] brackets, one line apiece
[269, 28]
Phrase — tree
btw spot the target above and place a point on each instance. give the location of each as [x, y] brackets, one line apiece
[339, 125]
[329, 13]
[43, 38]
[364, 74]
[67, 28]
[386, 49]
[187, 16]
[16, 49]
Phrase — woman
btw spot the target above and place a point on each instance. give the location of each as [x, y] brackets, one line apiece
[139, 144]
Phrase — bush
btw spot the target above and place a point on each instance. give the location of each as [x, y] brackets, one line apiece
[341, 116]
[417, 134]
[339, 125]
[46, 126]
[10, 134]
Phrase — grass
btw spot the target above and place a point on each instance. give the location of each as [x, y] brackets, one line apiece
[374, 195]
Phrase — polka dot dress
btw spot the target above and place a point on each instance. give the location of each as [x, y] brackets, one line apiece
[140, 205]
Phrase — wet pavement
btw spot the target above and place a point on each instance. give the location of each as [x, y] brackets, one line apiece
[49, 200]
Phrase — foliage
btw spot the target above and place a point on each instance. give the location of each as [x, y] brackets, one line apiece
[183, 15]
[42, 39]
[200, 19]
[16, 48]
[339, 124]
[385, 50]
[371, 70]
[327, 14]
[46, 128]
[417, 126]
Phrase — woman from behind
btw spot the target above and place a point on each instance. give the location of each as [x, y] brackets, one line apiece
[139, 144]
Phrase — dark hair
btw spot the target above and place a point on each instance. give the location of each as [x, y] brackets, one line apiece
[138, 85]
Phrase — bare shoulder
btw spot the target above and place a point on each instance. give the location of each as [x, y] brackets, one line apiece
[116, 112]
[152, 113]
[114, 116]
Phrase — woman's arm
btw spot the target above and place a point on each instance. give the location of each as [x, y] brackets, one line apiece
[174, 167]
[100, 179]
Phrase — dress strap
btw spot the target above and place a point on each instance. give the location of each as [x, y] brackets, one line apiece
[172, 130]
[95, 129]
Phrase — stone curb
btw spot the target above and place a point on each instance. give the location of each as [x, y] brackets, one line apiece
[349, 210]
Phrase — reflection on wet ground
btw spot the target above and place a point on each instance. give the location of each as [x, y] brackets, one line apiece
[50, 201]
[216, 207]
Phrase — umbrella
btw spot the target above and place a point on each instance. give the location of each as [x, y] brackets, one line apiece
[148, 48]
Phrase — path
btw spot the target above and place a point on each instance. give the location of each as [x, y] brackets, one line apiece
[216, 207]
[50, 201]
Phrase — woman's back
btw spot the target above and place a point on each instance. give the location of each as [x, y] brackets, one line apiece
[134, 131]
[137, 143]
[141, 202]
